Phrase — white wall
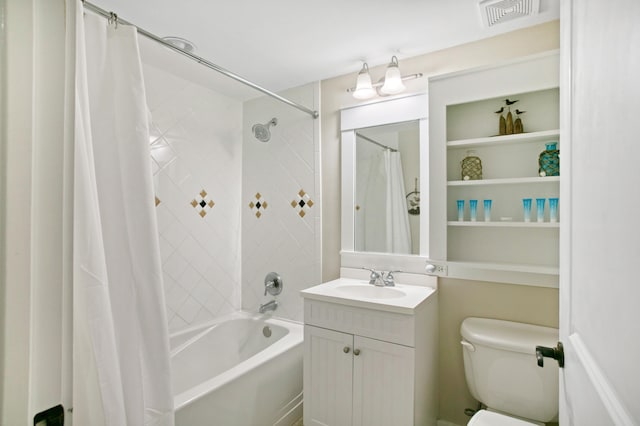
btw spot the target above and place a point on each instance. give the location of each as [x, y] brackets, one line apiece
[278, 238]
[196, 146]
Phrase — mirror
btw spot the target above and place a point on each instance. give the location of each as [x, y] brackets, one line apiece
[384, 179]
[387, 194]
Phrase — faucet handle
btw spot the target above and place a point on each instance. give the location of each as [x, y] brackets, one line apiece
[273, 284]
[374, 274]
[389, 279]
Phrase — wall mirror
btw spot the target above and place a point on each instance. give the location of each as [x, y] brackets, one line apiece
[385, 182]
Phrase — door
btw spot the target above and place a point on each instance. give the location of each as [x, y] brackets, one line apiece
[328, 370]
[600, 206]
[383, 377]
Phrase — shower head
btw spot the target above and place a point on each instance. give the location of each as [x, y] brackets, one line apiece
[261, 131]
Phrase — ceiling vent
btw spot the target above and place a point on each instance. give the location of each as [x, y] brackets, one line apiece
[498, 11]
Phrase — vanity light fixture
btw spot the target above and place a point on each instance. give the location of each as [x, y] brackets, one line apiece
[364, 89]
[390, 84]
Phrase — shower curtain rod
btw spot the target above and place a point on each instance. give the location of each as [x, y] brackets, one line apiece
[198, 59]
[375, 142]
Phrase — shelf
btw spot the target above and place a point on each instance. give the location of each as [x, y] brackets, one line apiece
[505, 181]
[538, 275]
[505, 224]
[507, 267]
[519, 138]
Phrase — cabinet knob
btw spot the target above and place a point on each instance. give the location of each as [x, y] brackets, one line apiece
[356, 352]
[430, 268]
[345, 349]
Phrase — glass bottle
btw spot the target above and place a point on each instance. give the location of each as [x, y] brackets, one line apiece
[471, 167]
[549, 160]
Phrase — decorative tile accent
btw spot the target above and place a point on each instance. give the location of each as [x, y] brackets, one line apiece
[302, 201]
[202, 205]
[158, 201]
[258, 205]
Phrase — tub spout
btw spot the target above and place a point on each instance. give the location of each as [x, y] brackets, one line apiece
[269, 306]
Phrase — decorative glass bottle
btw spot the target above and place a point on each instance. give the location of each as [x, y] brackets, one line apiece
[471, 167]
[549, 160]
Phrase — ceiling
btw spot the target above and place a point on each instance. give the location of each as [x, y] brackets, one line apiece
[280, 44]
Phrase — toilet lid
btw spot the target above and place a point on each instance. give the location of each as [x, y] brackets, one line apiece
[489, 418]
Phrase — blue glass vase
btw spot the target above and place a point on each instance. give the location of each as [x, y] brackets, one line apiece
[549, 160]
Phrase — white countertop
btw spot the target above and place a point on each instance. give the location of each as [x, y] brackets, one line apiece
[400, 298]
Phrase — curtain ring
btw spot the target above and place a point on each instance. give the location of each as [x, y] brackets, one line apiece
[113, 19]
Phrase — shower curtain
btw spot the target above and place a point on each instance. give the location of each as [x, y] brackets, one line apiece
[121, 368]
[386, 219]
[398, 229]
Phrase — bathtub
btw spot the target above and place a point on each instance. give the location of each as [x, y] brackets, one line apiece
[243, 370]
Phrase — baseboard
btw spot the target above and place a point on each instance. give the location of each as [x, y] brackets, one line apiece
[445, 423]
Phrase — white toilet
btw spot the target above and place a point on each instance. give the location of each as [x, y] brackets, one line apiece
[502, 373]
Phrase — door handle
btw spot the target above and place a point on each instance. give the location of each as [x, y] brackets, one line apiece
[556, 353]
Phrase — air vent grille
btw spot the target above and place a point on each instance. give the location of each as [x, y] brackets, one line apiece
[498, 11]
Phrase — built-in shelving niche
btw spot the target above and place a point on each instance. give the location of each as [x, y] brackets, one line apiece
[505, 247]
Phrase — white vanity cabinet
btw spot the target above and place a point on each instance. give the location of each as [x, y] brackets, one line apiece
[356, 380]
[370, 363]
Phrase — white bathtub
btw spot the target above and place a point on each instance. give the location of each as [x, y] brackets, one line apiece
[228, 373]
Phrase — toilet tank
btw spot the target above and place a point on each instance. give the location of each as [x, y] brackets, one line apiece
[501, 369]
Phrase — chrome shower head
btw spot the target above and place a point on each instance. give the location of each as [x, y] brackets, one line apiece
[261, 131]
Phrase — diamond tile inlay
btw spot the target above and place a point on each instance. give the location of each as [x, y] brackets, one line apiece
[260, 206]
[303, 200]
[158, 201]
[201, 206]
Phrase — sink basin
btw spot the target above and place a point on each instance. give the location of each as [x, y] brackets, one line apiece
[369, 291]
[359, 293]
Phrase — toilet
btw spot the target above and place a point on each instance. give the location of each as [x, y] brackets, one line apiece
[502, 373]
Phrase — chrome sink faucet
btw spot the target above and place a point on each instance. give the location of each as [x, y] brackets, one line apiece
[379, 279]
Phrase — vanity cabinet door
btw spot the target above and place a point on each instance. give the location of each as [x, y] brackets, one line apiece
[383, 383]
[328, 372]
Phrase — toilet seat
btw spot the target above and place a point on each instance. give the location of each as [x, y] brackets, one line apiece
[490, 418]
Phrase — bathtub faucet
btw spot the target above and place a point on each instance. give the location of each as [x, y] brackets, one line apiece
[269, 306]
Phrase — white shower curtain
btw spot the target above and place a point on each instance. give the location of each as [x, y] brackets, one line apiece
[398, 229]
[386, 218]
[121, 369]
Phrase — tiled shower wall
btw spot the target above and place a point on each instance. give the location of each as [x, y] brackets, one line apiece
[196, 146]
[218, 187]
[281, 201]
